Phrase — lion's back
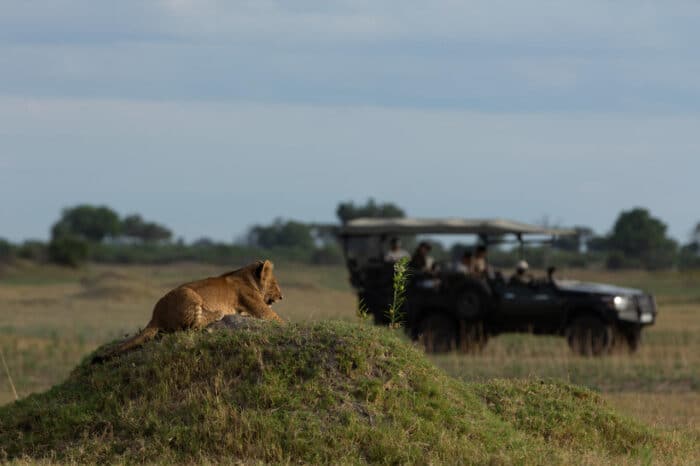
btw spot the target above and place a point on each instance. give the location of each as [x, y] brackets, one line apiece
[226, 292]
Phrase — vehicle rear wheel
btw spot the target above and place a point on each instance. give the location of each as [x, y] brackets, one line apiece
[437, 333]
[468, 305]
[472, 337]
[587, 335]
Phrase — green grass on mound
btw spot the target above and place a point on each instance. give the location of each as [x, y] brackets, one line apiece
[317, 393]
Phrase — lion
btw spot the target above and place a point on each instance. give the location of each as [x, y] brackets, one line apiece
[250, 290]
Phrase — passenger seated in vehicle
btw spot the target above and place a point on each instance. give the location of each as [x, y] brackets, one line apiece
[465, 263]
[521, 275]
[395, 251]
[480, 264]
[423, 267]
[421, 262]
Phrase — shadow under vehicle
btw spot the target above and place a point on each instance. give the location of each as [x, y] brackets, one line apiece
[450, 310]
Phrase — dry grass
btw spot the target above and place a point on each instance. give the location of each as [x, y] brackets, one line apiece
[680, 410]
[50, 318]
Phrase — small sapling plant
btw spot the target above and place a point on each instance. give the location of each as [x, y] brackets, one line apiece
[362, 311]
[400, 281]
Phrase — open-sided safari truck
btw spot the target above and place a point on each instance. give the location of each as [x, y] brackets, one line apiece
[448, 309]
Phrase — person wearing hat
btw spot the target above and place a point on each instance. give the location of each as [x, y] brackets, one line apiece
[521, 275]
[396, 252]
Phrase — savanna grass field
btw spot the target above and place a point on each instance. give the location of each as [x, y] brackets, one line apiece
[52, 317]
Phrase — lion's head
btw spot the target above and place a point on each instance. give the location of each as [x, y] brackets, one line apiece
[268, 283]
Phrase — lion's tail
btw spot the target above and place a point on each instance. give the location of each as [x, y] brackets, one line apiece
[140, 338]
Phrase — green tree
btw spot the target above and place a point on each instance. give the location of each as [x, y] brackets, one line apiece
[133, 226]
[641, 237]
[289, 234]
[92, 223]
[347, 211]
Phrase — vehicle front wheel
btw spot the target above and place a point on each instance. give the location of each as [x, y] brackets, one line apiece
[587, 335]
[437, 333]
[627, 339]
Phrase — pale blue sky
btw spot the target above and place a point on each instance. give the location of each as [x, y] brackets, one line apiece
[212, 115]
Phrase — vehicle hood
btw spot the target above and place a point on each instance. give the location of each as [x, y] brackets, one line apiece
[596, 288]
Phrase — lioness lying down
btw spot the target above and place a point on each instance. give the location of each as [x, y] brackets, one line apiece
[246, 291]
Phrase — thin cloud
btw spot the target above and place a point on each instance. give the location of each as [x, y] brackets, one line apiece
[299, 161]
[564, 108]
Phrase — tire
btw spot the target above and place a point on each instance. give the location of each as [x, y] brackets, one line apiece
[472, 337]
[634, 337]
[627, 339]
[437, 333]
[468, 305]
[587, 335]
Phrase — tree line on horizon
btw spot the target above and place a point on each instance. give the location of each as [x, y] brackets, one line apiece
[97, 233]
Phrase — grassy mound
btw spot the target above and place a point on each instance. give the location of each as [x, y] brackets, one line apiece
[323, 393]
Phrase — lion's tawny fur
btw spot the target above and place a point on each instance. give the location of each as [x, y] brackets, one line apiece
[249, 290]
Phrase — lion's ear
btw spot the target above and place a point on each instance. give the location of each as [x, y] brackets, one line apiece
[264, 272]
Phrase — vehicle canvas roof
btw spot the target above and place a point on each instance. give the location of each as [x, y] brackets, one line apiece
[417, 226]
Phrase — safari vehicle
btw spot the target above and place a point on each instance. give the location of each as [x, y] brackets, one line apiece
[450, 310]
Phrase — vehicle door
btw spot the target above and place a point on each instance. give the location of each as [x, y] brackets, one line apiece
[530, 305]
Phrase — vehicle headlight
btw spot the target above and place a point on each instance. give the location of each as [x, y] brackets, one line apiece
[622, 303]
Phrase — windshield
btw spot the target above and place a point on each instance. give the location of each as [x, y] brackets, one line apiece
[363, 249]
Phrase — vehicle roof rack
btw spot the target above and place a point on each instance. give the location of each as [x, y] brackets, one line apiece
[426, 226]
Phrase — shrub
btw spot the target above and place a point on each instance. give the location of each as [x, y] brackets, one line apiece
[327, 255]
[7, 250]
[689, 257]
[68, 250]
[618, 260]
[33, 250]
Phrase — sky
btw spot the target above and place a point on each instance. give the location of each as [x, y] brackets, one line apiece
[209, 116]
